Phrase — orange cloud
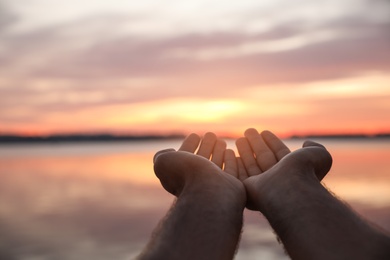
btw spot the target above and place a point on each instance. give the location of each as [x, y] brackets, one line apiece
[290, 72]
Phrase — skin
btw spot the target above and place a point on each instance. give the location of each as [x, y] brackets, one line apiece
[206, 219]
[310, 221]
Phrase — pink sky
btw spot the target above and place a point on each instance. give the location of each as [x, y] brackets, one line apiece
[293, 67]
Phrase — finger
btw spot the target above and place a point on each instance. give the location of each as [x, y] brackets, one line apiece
[161, 152]
[311, 143]
[247, 157]
[190, 143]
[265, 158]
[323, 158]
[275, 144]
[319, 157]
[230, 163]
[207, 145]
[218, 152]
[242, 172]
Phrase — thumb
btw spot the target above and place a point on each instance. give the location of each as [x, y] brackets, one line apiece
[161, 152]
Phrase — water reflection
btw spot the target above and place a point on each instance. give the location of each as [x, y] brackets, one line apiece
[102, 201]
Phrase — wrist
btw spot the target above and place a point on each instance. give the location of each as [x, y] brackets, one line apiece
[278, 192]
[219, 194]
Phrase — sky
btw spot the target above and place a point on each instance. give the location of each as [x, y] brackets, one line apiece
[172, 66]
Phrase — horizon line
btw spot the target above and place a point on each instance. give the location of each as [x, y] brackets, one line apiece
[108, 137]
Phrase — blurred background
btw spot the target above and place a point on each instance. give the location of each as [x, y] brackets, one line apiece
[169, 67]
[165, 66]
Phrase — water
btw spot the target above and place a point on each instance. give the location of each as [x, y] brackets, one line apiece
[102, 200]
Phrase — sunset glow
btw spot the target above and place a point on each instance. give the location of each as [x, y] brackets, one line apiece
[294, 67]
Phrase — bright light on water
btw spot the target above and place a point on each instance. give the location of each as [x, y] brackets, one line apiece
[102, 200]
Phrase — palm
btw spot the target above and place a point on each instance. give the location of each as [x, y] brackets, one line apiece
[262, 153]
[198, 163]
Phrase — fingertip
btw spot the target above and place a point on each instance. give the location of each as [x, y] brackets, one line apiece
[193, 137]
[241, 140]
[190, 143]
[308, 143]
[268, 136]
[251, 132]
[322, 160]
[267, 133]
[210, 135]
[162, 152]
[230, 152]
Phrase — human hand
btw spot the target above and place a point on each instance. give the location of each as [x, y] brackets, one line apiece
[262, 156]
[197, 167]
[259, 152]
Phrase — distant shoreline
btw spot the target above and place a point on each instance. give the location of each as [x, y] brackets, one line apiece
[85, 138]
[15, 139]
[342, 136]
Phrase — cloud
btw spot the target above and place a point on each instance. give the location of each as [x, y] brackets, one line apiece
[135, 57]
[103, 58]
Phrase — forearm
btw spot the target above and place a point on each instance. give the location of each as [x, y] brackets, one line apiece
[316, 225]
[198, 226]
